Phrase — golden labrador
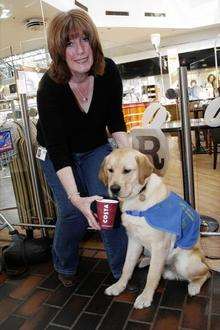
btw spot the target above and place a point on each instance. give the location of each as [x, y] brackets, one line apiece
[129, 176]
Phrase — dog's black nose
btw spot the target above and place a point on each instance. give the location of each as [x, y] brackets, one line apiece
[115, 188]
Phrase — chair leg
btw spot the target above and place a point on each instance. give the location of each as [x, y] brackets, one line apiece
[215, 152]
[205, 135]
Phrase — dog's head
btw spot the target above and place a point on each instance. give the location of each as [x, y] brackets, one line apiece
[125, 171]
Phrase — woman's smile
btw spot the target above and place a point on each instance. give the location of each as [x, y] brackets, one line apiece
[81, 60]
[79, 56]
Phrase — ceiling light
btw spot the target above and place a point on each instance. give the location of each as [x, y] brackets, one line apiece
[155, 40]
[4, 12]
[33, 23]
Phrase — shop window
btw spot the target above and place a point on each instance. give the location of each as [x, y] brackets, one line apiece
[142, 68]
[199, 59]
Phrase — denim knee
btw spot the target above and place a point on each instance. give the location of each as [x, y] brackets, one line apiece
[68, 234]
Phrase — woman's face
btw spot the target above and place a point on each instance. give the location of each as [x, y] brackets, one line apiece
[211, 78]
[79, 55]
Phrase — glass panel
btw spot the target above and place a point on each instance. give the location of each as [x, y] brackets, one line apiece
[145, 106]
[26, 59]
[203, 88]
[8, 135]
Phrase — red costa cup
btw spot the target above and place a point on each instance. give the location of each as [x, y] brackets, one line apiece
[106, 211]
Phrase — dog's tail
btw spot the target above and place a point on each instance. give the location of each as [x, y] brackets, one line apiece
[213, 264]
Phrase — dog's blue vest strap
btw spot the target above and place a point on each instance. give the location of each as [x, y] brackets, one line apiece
[175, 216]
[136, 213]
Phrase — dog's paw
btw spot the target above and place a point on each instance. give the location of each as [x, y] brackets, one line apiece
[194, 288]
[142, 301]
[115, 289]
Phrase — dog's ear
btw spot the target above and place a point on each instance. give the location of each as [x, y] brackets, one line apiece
[145, 168]
[103, 176]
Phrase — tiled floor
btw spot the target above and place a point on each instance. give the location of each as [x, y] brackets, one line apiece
[39, 301]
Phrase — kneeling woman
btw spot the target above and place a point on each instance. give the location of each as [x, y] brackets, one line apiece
[79, 96]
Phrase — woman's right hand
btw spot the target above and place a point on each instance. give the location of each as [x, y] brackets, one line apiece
[84, 205]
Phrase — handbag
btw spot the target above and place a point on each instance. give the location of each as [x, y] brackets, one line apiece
[24, 251]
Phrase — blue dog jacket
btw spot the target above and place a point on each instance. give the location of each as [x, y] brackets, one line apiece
[175, 216]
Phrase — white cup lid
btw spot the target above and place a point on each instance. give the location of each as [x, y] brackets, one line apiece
[107, 201]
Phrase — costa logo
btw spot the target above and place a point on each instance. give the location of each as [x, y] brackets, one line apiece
[105, 213]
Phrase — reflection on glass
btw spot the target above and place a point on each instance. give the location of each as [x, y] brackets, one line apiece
[23, 55]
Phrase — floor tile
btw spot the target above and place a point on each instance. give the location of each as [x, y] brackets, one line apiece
[60, 296]
[126, 296]
[100, 302]
[71, 311]
[6, 289]
[87, 321]
[54, 327]
[51, 282]
[7, 306]
[31, 306]
[167, 319]
[174, 294]
[146, 314]
[101, 255]
[25, 288]
[116, 316]
[137, 326]
[86, 265]
[40, 302]
[215, 322]
[91, 284]
[42, 269]
[40, 320]
[140, 276]
[102, 267]
[109, 280]
[162, 285]
[195, 313]
[12, 323]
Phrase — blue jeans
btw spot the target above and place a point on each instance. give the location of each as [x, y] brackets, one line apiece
[71, 225]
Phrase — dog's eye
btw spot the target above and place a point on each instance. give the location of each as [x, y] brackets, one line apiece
[110, 170]
[126, 171]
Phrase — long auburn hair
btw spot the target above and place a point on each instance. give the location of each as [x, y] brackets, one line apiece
[60, 29]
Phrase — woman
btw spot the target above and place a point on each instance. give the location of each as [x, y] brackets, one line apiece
[194, 90]
[210, 86]
[79, 96]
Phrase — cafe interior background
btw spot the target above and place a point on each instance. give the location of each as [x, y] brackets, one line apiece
[148, 40]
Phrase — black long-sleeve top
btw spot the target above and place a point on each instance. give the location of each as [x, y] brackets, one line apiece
[63, 128]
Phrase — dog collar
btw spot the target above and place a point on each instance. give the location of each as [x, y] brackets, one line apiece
[141, 195]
